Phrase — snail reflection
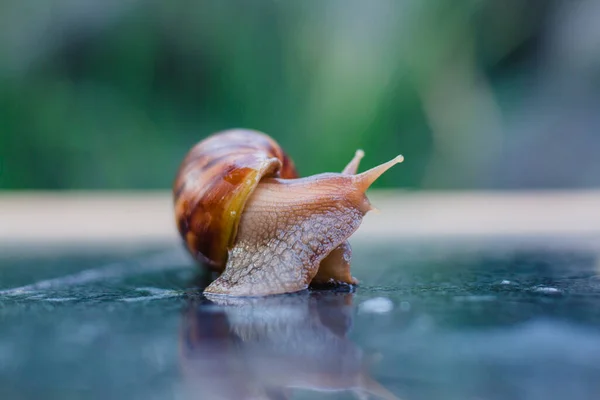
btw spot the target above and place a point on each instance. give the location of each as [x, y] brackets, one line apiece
[269, 347]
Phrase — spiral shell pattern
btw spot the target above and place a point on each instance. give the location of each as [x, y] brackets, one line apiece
[213, 183]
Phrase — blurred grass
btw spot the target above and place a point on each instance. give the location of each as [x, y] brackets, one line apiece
[112, 95]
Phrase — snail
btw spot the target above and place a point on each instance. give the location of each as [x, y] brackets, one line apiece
[244, 212]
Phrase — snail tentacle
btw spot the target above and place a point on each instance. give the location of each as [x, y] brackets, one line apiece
[352, 166]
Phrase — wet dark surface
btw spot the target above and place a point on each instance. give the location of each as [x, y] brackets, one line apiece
[429, 321]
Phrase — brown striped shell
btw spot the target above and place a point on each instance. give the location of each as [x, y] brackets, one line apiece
[213, 183]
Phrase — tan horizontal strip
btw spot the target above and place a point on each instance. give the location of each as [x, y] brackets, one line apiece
[71, 218]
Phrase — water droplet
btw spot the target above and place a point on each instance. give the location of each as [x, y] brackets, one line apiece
[546, 290]
[377, 305]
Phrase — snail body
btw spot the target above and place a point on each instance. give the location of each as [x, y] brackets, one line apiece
[244, 212]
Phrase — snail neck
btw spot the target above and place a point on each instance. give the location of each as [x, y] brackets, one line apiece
[306, 193]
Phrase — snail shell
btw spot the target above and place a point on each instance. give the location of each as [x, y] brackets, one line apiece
[243, 211]
[213, 184]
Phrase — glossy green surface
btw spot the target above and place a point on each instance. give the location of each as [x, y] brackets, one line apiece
[429, 321]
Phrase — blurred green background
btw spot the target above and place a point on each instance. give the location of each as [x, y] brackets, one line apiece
[476, 94]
